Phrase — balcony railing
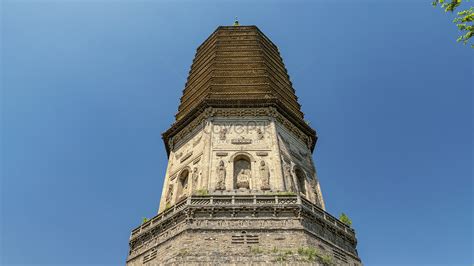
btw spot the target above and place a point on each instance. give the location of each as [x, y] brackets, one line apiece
[242, 200]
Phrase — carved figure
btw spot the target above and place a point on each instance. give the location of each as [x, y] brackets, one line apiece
[195, 177]
[288, 177]
[221, 172]
[222, 133]
[314, 188]
[260, 133]
[265, 176]
[169, 195]
[243, 178]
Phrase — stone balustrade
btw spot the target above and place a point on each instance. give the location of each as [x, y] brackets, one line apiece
[243, 201]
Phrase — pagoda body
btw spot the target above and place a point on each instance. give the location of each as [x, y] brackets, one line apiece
[241, 186]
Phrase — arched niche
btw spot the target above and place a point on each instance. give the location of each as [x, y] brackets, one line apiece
[183, 180]
[240, 154]
[301, 180]
[242, 171]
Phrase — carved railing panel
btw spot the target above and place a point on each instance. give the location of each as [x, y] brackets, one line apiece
[260, 203]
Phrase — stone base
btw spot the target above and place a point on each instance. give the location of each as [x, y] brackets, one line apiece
[210, 247]
[211, 230]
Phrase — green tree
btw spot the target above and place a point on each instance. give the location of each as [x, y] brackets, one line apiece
[345, 219]
[464, 18]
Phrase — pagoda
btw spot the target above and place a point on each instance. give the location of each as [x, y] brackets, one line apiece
[241, 186]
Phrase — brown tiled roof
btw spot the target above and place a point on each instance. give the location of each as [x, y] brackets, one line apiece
[238, 66]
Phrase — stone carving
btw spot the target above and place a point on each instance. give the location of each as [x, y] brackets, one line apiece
[221, 172]
[271, 111]
[242, 173]
[243, 179]
[314, 188]
[171, 143]
[301, 180]
[288, 177]
[183, 184]
[195, 177]
[169, 195]
[222, 133]
[242, 140]
[260, 134]
[264, 176]
[178, 133]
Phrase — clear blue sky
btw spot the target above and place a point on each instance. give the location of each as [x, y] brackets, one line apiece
[88, 87]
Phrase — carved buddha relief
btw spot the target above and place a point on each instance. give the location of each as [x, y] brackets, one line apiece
[242, 172]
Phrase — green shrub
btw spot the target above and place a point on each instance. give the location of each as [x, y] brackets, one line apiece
[309, 253]
[327, 260]
[345, 219]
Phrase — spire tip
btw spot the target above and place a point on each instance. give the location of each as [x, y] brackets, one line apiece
[236, 22]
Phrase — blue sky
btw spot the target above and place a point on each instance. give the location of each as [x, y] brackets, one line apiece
[89, 86]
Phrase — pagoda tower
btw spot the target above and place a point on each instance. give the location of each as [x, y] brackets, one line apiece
[241, 185]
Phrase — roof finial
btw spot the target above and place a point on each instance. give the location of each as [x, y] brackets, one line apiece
[236, 22]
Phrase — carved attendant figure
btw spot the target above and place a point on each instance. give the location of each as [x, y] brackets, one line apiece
[314, 188]
[195, 177]
[265, 176]
[221, 176]
[169, 195]
[288, 177]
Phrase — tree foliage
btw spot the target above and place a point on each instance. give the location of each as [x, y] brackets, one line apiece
[464, 18]
[345, 219]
